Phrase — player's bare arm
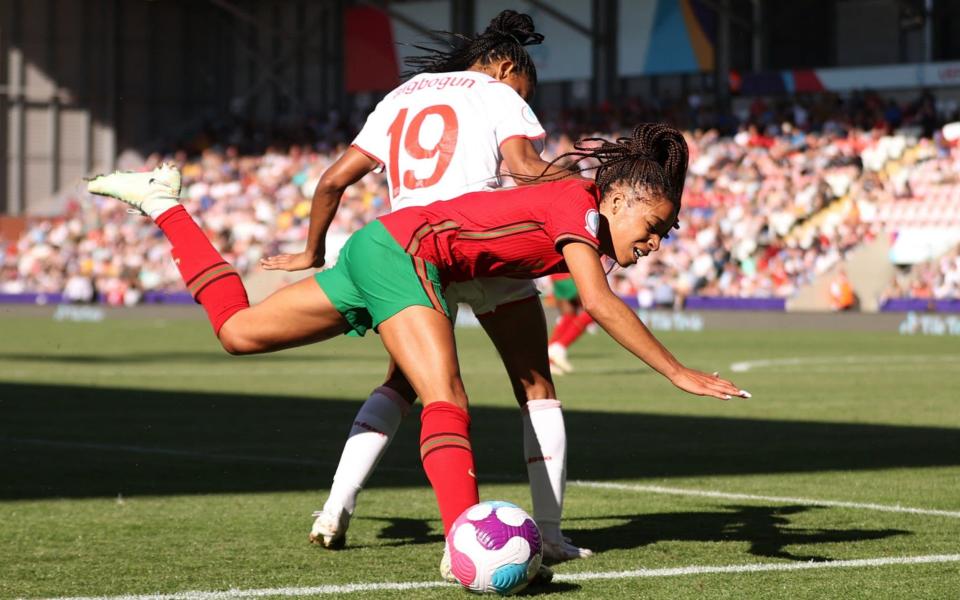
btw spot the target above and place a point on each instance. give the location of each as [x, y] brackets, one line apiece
[348, 169]
[623, 325]
[525, 165]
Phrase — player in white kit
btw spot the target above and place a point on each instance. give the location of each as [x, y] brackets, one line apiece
[441, 134]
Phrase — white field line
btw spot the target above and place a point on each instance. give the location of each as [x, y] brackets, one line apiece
[799, 361]
[588, 576]
[657, 489]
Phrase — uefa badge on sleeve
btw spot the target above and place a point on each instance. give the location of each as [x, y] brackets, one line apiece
[592, 222]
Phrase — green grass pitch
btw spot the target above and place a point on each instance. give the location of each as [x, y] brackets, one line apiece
[137, 458]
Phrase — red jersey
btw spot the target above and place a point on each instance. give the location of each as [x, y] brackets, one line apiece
[516, 232]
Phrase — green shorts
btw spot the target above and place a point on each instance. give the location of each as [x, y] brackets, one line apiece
[375, 279]
[565, 289]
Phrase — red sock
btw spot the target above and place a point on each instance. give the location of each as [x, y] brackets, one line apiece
[448, 459]
[575, 329]
[211, 280]
[563, 323]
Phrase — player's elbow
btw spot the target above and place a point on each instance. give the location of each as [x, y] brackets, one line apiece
[238, 345]
[329, 184]
[531, 171]
[597, 306]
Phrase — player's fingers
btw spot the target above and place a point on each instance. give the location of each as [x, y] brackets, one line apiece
[721, 386]
[274, 261]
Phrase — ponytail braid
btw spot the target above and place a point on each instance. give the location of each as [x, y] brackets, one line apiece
[505, 38]
[654, 157]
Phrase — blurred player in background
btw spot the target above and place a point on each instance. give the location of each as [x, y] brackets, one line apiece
[570, 326]
[445, 132]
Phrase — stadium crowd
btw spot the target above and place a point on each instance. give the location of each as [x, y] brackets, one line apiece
[766, 209]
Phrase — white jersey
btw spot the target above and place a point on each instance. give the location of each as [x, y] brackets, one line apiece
[439, 135]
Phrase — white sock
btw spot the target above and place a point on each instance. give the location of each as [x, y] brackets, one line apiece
[373, 430]
[545, 450]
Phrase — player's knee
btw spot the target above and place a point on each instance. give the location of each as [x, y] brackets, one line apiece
[399, 384]
[537, 388]
[238, 345]
[450, 391]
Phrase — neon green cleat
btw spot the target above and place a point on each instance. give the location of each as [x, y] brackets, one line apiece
[151, 193]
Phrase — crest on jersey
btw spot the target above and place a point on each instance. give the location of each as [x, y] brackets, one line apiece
[528, 115]
[592, 222]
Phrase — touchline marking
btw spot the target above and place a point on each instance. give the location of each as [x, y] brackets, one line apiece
[657, 489]
[761, 567]
[352, 588]
[797, 361]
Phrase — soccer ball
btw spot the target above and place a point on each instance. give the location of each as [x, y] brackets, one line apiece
[494, 547]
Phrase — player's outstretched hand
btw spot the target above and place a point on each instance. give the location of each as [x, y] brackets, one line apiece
[291, 262]
[703, 384]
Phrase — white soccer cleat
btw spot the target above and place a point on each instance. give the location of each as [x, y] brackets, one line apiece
[558, 359]
[151, 192]
[563, 550]
[446, 569]
[330, 529]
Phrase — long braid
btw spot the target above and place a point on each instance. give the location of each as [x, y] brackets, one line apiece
[504, 38]
[654, 157]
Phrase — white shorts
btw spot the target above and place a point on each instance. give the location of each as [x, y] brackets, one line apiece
[485, 295]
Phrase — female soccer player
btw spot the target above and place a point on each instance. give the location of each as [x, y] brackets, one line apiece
[441, 134]
[570, 326]
[391, 274]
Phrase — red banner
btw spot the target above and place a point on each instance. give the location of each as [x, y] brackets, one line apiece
[370, 56]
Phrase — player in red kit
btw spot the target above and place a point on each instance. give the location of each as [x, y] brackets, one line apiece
[391, 274]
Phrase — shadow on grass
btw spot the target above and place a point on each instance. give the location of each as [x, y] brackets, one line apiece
[73, 441]
[766, 528]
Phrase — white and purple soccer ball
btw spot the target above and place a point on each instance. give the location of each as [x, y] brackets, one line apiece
[495, 547]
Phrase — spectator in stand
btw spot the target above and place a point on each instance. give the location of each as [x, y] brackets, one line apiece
[797, 186]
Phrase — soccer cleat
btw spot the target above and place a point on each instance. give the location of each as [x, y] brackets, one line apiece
[446, 569]
[558, 358]
[330, 529]
[151, 192]
[543, 576]
[563, 550]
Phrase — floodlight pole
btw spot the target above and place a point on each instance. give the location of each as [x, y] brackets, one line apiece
[604, 42]
[721, 77]
[462, 16]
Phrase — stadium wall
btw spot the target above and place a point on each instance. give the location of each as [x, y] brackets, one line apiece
[692, 322]
[81, 81]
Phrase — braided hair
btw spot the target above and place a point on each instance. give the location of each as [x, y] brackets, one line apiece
[655, 157]
[504, 39]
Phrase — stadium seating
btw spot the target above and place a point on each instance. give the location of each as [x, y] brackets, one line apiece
[763, 215]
